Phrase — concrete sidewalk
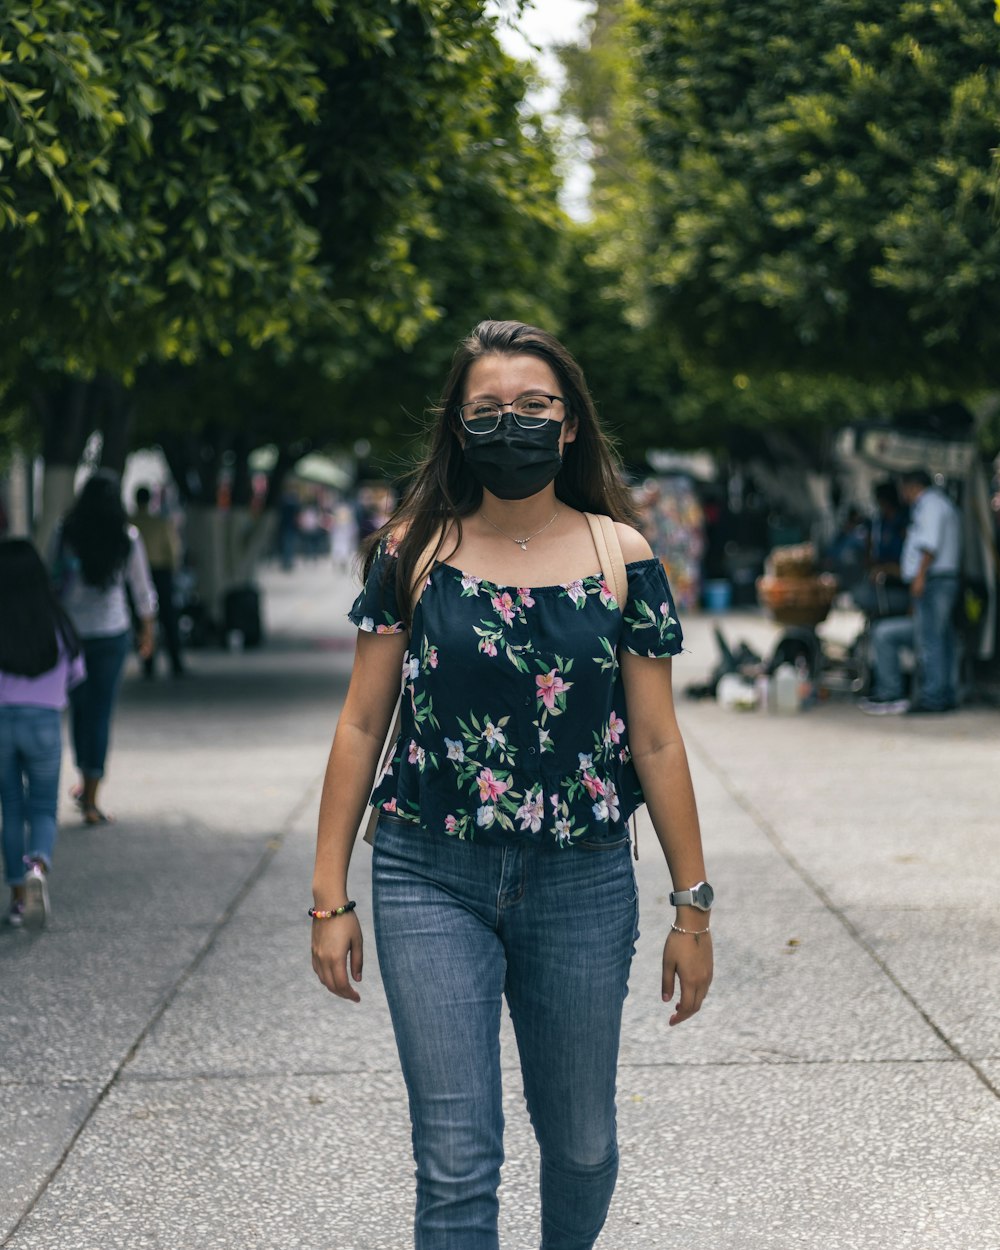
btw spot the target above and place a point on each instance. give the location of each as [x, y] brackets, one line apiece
[173, 1076]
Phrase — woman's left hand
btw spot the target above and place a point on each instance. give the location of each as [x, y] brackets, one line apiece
[687, 958]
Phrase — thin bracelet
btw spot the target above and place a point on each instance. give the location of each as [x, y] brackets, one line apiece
[318, 914]
[691, 932]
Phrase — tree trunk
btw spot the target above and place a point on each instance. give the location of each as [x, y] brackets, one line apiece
[65, 412]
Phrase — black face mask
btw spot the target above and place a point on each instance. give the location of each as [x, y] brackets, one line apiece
[513, 463]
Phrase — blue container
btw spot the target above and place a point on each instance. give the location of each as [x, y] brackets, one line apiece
[717, 595]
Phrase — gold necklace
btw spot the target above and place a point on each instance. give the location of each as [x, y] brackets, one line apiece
[521, 542]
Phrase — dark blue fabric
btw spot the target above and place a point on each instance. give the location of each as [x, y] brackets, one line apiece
[513, 711]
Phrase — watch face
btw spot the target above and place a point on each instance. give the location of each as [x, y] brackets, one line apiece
[703, 896]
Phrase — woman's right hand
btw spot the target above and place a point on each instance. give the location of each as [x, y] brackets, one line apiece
[337, 946]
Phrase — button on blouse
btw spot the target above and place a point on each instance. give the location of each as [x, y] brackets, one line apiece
[513, 718]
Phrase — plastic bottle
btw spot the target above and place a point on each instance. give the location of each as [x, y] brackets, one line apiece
[785, 688]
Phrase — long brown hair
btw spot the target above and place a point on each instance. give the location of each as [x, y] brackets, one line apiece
[441, 491]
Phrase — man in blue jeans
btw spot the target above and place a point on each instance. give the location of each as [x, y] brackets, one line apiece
[930, 565]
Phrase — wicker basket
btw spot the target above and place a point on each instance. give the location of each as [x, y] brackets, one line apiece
[798, 600]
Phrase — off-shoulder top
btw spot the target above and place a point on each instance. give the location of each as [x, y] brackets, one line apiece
[513, 718]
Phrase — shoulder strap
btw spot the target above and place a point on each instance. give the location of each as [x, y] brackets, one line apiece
[422, 569]
[609, 553]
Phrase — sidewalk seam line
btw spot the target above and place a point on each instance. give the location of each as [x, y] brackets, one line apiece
[271, 847]
[772, 835]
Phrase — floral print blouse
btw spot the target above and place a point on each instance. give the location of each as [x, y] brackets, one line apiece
[513, 711]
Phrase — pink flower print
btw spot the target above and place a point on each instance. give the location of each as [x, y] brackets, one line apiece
[616, 727]
[487, 647]
[575, 590]
[524, 594]
[504, 604]
[413, 751]
[389, 805]
[550, 685]
[471, 583]
[432, 657]
[554, 800]
[417, 755]
[607, 594]
[391, 545]
[532, 811]
[490, 787]
[612, 800]
[450, 824]
[594, 786]
[389, 629]
[664, 609]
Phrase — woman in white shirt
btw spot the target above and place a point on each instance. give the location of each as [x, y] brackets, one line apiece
[98, 553]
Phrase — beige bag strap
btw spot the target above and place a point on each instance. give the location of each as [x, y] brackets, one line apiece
[422, 568]
[609, 554]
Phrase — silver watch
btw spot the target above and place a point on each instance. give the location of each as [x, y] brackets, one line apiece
[700, 896]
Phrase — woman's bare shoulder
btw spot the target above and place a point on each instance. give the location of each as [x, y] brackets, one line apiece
[634, 546]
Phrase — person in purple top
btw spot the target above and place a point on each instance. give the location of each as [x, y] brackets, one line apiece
[40, 661]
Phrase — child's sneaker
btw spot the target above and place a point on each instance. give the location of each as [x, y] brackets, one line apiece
[36, 891]
[15, 916]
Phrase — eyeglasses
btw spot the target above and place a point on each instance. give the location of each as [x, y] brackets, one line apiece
[530, 411]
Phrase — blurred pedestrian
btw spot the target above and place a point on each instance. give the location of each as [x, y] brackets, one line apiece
[344, 537]
[97, 553]
[40, 662]
[882, 592]
[930, 566]
[163, 550]
[502, 863]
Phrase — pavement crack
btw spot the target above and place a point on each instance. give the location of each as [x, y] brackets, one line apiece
[271, 848]
[803, 873]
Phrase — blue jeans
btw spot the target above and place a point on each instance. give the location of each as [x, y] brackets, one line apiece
[459, 926]
[93, 701]
[30, 756]
[935, 631]
[888, 637]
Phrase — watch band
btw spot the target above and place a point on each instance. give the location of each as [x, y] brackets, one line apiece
[700, 896]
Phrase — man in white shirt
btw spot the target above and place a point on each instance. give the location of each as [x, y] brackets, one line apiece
[930, 565]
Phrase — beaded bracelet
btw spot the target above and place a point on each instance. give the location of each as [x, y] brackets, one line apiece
[318, 914]
[690, 932]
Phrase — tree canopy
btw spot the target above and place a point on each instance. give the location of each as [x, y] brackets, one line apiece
[794, 208]
[824, 186]
[254, 212]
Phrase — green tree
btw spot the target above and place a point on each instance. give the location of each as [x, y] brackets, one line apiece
[299, 193]
[824, 195]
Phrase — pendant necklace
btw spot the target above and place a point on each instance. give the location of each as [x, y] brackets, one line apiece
[521, 542]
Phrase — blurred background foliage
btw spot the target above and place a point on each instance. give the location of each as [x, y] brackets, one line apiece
[247, 223]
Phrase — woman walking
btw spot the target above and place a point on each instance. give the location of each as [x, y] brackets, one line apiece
[97, 554]
[40, 661]
[536, 715]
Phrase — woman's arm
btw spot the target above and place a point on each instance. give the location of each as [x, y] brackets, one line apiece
[350, 773]
[661, 764]
[140, 583]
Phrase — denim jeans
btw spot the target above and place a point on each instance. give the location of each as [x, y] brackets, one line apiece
[936, 641]
[93, 701]
[888, 637]
[30, 756]
[459, 926]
